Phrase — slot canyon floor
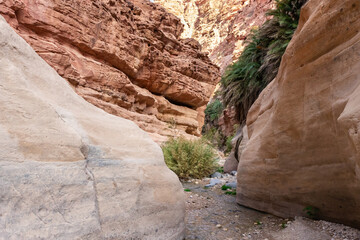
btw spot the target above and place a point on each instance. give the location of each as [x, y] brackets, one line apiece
[211, 214]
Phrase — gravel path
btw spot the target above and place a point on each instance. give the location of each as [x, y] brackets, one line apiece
[211, 214]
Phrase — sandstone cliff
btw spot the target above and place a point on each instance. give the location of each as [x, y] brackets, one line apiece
[304, 146]
[68, 170]
[123, 56]
[221, 26]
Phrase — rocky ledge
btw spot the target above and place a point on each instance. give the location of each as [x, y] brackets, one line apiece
[123, 56]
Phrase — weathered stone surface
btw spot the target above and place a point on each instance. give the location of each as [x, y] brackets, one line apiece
[68, 170]
[304, 146]
[221, 26]
[123, 56]
[238, 145]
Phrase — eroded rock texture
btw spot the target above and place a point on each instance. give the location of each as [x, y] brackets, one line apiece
[124, 57]
[304, 147]
[221, 26]
[69, 170]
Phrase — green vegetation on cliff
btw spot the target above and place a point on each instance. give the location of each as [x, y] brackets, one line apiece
[259, 62]
[214, 109]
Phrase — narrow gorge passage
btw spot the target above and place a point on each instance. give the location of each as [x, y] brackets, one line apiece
[180, 119]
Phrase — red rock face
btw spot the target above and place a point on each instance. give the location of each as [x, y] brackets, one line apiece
[123, 56]
[221, 26]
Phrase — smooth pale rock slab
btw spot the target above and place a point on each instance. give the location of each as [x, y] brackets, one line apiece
[304, 138]
[68, 170]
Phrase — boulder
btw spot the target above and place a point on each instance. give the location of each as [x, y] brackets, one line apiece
[304, 129]
[239, 142]
[69, 170]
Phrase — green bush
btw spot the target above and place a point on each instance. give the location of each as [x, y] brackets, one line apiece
[214, 109]
[259, 62]
[224, 187]
[189, 158]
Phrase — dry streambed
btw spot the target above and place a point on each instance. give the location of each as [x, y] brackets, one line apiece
[212, 214]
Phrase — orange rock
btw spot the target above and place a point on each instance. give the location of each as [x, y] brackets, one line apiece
[221, 26]
[304, 141]
[123, 56]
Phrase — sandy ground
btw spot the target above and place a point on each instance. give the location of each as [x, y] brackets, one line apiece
[211, 214]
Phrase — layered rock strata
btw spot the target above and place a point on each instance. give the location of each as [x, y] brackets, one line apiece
[123, 56]
[304, 146]
[69, 170]
[221, 26]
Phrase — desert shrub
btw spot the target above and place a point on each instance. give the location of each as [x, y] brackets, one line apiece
[189, 158]
[259, 62]
[213, 137]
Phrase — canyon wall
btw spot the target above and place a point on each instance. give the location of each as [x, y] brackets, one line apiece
[304, 146]
[220, 26]
[69, 170]
[123, 56]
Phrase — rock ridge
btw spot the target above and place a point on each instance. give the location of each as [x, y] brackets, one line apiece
[125, 57]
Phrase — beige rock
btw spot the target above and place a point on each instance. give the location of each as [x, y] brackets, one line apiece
[125, 57]
[231, 163]
[68, 170]
[238, 144]
[304, 128]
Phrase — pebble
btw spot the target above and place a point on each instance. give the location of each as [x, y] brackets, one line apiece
[218, 225]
